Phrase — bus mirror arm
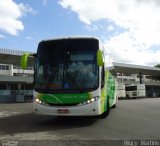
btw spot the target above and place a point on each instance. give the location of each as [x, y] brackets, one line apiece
[34, 55]
[102, 84]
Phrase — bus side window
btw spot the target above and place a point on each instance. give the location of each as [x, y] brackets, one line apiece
[102, 76]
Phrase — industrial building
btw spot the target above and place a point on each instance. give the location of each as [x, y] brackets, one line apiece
[128, 74]
[16, 85]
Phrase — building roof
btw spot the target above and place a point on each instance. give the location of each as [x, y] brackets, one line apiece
[134, 69]
[8, 56]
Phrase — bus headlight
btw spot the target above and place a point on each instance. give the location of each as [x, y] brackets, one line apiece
[90, 101]
[37, 100]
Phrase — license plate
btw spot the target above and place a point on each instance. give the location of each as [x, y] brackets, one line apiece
[63, 111]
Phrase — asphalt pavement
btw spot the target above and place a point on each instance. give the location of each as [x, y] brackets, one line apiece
[132, 120]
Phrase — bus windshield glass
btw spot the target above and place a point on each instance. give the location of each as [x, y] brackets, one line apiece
[66, 65]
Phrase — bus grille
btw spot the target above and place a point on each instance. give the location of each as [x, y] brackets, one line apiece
[70, 104]
[134, 93]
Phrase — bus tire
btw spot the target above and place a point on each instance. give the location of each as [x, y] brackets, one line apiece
[114, 106]
[127, 96]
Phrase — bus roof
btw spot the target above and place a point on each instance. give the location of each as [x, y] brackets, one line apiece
[72, 37]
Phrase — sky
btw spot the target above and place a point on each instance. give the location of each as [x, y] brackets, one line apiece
[129, 29]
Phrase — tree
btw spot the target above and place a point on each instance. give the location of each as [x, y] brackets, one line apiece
[158, 65]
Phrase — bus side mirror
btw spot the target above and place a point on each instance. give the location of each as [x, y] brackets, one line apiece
[99, 58]
[24, 60]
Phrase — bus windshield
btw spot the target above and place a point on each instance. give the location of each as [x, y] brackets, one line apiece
[131, 88]
[66, 65]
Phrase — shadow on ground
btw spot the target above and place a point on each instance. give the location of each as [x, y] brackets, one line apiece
[38, 123]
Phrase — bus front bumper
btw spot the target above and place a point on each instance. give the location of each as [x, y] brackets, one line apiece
[91, 109]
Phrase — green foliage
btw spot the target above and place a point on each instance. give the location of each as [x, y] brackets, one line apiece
[158, 65]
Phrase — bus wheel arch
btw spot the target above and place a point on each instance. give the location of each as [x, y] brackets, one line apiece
[115, 105]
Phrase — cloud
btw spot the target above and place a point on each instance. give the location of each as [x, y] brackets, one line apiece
[92, 28]
[110, 28]
[123, 48]
[10, 15]
[25, 8]
[85, 20]
[139, 20]
[29, 38]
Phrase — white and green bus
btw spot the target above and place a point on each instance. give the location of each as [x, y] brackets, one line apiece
[71, 79]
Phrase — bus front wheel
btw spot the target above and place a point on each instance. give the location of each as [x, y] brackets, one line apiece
[127, 96]
[115, 105]
[106, 113]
